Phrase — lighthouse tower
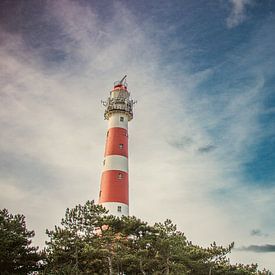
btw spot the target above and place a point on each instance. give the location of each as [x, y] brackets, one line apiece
[114, 188]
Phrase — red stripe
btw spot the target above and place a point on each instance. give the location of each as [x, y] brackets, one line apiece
[117, 142]
[112, 188]
[120, 87]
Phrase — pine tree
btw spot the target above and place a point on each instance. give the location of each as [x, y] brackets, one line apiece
[89, 241]
[17, 256]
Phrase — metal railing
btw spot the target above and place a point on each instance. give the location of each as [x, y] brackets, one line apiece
[120, 104]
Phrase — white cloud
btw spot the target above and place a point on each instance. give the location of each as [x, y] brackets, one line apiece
[238, 12]
[10, 192]
[52, 116]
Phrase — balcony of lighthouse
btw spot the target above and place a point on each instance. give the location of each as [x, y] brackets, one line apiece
[118, 105]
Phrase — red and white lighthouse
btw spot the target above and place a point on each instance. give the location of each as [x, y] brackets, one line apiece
[114, 188]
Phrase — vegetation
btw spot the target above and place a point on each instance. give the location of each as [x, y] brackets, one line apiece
[17, 256]
[89, 241]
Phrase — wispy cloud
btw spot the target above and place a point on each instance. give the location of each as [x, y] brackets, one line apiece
[207, 148]
[259, 248]
[180, 143]
[258, 232]
[238, 12]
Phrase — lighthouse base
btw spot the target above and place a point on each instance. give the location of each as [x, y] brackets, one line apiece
[116, 208]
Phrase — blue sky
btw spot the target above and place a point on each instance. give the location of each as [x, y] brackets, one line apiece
[202, 140]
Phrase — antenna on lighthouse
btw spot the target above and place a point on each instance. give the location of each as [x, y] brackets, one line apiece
[123, 79]
[121, 83]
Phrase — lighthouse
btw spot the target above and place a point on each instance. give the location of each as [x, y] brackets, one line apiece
[114, 187]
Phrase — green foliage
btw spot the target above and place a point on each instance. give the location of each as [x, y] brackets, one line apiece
[75, 247]
[17, 256]
[89, 241]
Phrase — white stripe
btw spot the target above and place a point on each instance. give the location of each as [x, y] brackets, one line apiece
[115, 162]
[113, 208]
[115, 121]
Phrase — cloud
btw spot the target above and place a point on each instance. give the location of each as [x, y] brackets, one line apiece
[181, 143]
[238, 12]
[258, 232]
[207, 148]
[259, 248]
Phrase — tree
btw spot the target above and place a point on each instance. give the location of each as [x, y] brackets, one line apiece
[17, 256]
[78, 245]
[89, 241]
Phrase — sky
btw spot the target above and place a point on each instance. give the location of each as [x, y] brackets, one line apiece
[202, 141]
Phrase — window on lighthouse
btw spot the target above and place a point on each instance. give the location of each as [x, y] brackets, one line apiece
[120, 146]
[119, 209]
[121, 118]
[120, 176]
